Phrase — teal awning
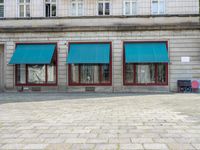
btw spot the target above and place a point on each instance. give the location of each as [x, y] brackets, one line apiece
[93, 53]
[149, 52]
[33, 54]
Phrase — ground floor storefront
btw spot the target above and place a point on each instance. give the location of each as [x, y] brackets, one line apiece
[121, 61]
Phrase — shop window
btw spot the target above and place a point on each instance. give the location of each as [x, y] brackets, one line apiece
[50, 8]
[89, 74]
[24, 8]
[1, 8]
[146, 74]
[77, 7]
[158, 7]
[130, 7]
[36, 74]
[103, 7]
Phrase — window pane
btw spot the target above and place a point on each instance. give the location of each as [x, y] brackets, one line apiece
[127, 8]
[129, 73]
[145, 73]
[89, 74]
[51, 73]
[100, 9]
[134, 8]
[105, 74]
[162, 73]
[155, 7]
[1, 1]
[74, 74]
[21, 74]
[21, 10]
[36, 74]
[162, 7]
[80, 9]
[47, 11]
[21, 1]
[107, 8]
[27, 10]
[27, 1]
[54, 10]
[1, 11]
[74, 9]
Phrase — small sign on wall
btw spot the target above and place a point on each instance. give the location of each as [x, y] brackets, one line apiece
[185, 59]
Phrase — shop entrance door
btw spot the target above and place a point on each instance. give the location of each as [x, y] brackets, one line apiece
[1, 67]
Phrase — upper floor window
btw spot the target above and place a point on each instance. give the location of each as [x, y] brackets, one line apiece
[77, 7]
[24, 8]
[130, 7]
[103, 7]
[158, 7]
[1, 8]
[50, 8]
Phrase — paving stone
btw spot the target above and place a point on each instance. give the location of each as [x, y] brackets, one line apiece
[35, 146]
[101, 121]
[131, 146]
[181, 146]
[155, 146]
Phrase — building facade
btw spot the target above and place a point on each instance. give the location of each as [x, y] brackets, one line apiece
[98, 45]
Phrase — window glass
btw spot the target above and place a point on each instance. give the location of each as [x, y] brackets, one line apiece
[127, 8]
[145, 73]
[21, 10]
[36, 74]
[134, 8]
[80, 9]
[89, 74]
[162, 7]
[129, 73]
[154, 7]
[54, 10]
[21, 74]
[1, 1]
[100, 9]
[51, 73]
[74, 73]
[105, 74]
[107, 8]
[1, 11]
[48, 10]
[162, 73]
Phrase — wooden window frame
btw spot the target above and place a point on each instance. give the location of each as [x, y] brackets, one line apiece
[25, 5]
[55, 57]
[71, 83]
[134, 70]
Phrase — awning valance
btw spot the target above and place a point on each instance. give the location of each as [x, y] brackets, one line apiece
[33, 54]
[147, 52]
[89, 53]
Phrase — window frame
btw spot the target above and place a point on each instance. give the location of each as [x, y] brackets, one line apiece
[55, 57]
[71, 83]
[3, 4]
[51, 3]
[104, 10]
[158, 12]
[134, 70]
[76, 2]
[25, 5]
[131, 7]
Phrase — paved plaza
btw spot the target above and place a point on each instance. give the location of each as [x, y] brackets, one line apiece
[92, 121]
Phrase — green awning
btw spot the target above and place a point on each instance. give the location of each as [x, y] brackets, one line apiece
[33, 54]
[92, 53]
[148, 52]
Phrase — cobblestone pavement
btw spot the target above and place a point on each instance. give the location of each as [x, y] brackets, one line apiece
[99, 121]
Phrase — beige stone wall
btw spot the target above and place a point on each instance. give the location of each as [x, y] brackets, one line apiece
[90, 7]
[181, 43]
